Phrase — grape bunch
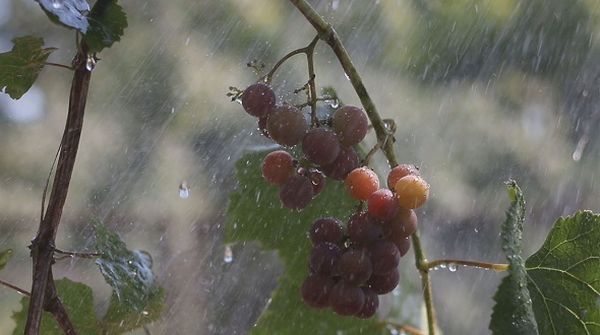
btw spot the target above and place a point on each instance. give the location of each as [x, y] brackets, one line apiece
[350, 266]
[327, 151]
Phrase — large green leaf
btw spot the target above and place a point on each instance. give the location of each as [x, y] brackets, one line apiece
[137, 298]
[255, 214]
[564, 277]
[107, 23]
[78, 301]
[71, 13]
[513, 312]
[5, 256]
[20, 67]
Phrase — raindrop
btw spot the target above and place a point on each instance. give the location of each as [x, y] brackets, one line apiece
[335, 4]
[347, 76]
[184, 190]
[90, 63]
[187, 41]
[452, 267]
[335, 103]
[56, 4]
[228, 254]
[145, 313]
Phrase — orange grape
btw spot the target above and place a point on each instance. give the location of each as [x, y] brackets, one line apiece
[400, 171]
[411, 191]
[361, 182]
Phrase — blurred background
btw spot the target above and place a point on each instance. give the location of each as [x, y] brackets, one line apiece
[481, 91]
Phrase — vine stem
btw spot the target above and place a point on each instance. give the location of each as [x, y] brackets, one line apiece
[43, 290]
[328, 34]
[14, 287]
[475, 264]
[59, 65]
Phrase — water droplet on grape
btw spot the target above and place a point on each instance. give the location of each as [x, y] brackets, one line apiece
[452, 267]
[184, 190]
[228, 254]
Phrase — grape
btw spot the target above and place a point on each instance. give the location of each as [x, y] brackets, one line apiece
[400, 171]
[296, 193]
[262, 126]
[315, 290]
[403, 225]
[382, 204]
[320, 146]
[324, 257]
[384, 283]
[351, 124]
[361, 182]
[317, 179]
[346, 299]
[346, 161]
[326, 230]
[362, 229]
[278, 167]
[385, 257]
[371, 304]
[403, 245]
[258, 99]
[412, 191]
[286, 125]
[355, 267]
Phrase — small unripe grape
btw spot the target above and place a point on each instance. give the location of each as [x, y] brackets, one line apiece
[258, 99]
[400, 171]
[361, 183]
[412, 191]
[278, 167]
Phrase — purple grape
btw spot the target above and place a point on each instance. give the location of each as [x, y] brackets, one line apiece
[355, 267]
[346, 299]
[362, 229]
[385, 257]
[278, 167]
[403, 245]
[324, 258]
[258, 100]
[326, 230]
[320, 146]
[384, 283]
[351, 124]
[286, 125]
[315, 290]
[296, 193]
[371, 304]
[346, 161]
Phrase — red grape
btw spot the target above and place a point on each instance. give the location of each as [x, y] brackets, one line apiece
[320, 146]
[362, 229]
[296, 193]
[384, 283]
[403, 224]
[371, 304]
[382, 204]
[278, 167]
[403, 245]
[315, 290]
[346, 299]
[385, 257]
[346, 161]
[326, 230]
[286, 125]
[351, 124]
[258, 99]
[324, 257]
[400, 171]
[355, 267]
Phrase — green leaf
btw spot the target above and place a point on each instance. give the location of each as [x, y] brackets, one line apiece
[255, 214]
[513, 312]
[107, 23]
[79, 303]
[119, 318]
[130, 275]
[5, 257]
[20, 67]
[564, 277]
[70, 13]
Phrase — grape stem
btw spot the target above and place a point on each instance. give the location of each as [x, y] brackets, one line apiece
[78, 254]
[59, 65]
[312, 98]
[475, 264]
[328, 34]
[410, 330]
[16, 288]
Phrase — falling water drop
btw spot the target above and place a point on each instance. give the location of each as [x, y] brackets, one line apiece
[56, 4]
[184, 190]
[90, 63]
[335, 103]
[228, 254]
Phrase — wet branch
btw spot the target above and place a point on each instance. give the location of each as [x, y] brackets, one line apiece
[14, 287]
[43, 290]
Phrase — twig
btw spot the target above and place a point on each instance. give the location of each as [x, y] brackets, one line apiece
[312, 90]
[476, 264]
[43, 290]
[59, 65]
[78, 254]
[16, 288]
